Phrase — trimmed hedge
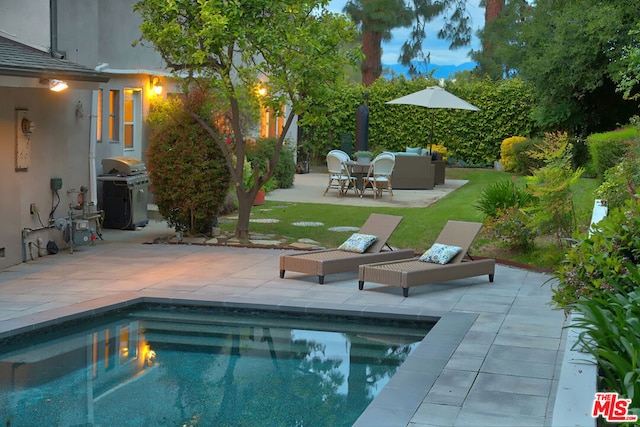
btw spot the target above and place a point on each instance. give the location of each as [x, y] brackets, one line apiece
[608, 149]
[472, 136]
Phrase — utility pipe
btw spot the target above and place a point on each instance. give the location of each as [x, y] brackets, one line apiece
[93, 184]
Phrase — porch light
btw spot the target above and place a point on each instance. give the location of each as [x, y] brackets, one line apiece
[57, 85]
[156, 85]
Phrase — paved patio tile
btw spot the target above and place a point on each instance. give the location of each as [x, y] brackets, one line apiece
[518, 367]
[496, 362]
[507, 404]
[435, 415]
[524, 385]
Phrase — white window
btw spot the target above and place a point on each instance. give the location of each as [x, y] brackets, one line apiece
[132, 119]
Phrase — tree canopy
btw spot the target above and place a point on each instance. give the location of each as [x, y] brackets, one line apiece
[572, 52]
[377, 18]
[254, 54]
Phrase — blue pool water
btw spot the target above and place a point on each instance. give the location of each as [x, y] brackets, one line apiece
[180, 366]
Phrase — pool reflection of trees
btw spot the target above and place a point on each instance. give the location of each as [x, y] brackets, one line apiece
[253, 378]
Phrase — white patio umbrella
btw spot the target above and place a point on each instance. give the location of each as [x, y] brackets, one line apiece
[434, 97]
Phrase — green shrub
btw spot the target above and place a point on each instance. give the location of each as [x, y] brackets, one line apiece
[610, 331]
[621, 182]
[552, 186]
[511, 225]
[508, 155]
[601, 262]
[608, 149]
[188, 173]
[500, 195]
[502, 204]
[525, 163]
[285, 170]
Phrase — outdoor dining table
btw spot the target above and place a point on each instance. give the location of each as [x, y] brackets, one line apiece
[359, 170]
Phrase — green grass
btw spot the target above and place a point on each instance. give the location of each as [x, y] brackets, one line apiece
[420, 226]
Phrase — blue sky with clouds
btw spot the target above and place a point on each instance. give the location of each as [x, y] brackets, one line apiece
[440, 53]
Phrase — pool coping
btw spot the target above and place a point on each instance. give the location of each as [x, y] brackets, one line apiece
[395, 404]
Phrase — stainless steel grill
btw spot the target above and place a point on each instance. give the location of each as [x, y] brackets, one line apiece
[124, 193]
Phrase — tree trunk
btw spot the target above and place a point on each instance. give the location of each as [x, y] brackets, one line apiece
[493, 9]
[372, 64]
[245, 203]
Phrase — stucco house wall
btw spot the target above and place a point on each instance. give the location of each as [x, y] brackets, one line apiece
[91, 43]
[58, 149]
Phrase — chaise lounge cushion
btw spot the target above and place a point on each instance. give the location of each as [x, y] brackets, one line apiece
[358, 243]
[440, 254]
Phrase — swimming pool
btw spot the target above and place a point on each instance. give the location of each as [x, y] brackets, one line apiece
[157, 365]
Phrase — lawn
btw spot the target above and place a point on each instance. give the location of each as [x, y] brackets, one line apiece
[419, 226]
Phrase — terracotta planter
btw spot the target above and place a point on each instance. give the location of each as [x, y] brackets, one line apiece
[259, 200]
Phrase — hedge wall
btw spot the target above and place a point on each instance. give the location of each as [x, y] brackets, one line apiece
[472, 136]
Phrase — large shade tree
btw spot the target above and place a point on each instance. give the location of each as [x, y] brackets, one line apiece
[499, 16]
[377, 18]
[253, 54]
[572, 51]
[629, 75]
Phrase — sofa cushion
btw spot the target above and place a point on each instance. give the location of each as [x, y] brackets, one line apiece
[416, 150]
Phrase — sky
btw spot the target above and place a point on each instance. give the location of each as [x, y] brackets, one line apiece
[440, 53]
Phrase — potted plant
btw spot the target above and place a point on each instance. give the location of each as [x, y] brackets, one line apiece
[363, 156]
[268, 186]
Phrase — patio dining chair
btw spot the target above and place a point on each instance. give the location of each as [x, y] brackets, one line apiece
[379, 176]
[339, 176]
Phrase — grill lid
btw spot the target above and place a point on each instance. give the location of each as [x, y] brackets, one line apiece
[123, 165]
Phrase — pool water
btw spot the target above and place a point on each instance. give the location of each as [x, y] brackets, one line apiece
[180, 366]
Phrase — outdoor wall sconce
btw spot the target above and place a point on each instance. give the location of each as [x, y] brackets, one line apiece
[57, 85]
[156, 85]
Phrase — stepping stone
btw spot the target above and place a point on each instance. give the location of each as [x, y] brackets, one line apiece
[266, 242]
[308, 241]
[307, 224]
[265, 220]
[340, 229]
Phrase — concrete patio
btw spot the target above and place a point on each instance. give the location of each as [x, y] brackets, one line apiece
[493, 358]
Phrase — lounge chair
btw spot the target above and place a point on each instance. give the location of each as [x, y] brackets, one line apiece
[331, 261]
[413, 272]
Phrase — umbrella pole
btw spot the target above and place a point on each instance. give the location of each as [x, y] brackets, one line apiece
[431, 144]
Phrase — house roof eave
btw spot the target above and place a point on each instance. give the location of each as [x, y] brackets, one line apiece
[53, 74]
[19, 60]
